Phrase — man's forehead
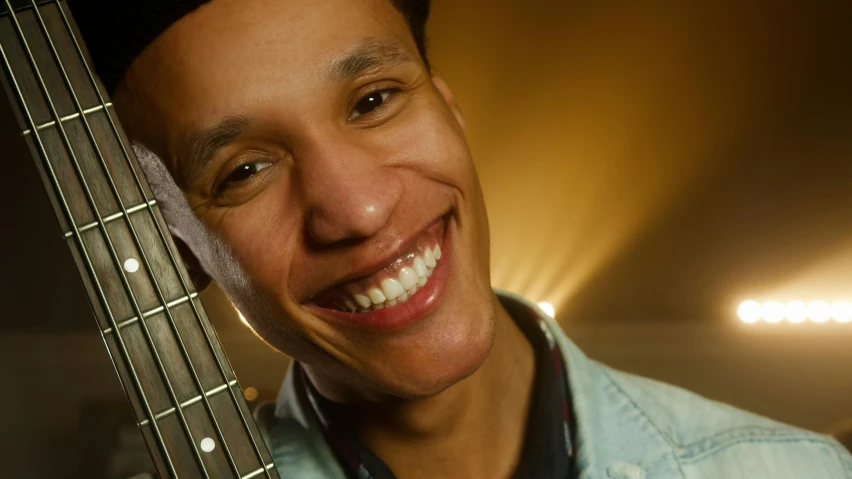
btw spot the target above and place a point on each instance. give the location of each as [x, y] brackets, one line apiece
[118, 31]
[291, 39]
[287, 24]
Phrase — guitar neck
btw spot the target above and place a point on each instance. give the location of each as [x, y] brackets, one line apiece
[182, 390]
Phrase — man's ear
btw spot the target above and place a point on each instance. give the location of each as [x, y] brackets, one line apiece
[199, 277]
[449, 97]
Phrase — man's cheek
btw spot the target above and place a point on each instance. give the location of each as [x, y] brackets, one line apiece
[440, 151]
[263, 241]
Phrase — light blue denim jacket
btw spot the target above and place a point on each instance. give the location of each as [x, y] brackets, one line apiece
[628, 427]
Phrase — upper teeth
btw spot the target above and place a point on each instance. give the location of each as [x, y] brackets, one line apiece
[392, 288]
[407, 278]
[393, 291]
[420, 267]
[429, 258]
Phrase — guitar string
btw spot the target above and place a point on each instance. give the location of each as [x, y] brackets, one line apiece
[111, 246]
[84, 251]
[137, 242]
[163, 238]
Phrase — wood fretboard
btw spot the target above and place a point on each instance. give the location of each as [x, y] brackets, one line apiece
[180, 385]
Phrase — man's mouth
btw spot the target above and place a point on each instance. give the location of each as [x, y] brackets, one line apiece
[397, 283]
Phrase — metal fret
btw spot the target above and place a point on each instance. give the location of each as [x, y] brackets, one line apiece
[149, 313]
[189, 402]
[65, 118]
[21, 6]
[181, 274]
[111, 218]
[259, 471]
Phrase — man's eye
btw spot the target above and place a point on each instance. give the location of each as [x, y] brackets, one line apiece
[244, 172]
[370, 102]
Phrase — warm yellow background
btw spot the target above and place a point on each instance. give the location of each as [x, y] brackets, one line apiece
[662, 159]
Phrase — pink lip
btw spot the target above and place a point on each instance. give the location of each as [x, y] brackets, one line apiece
[404, 314]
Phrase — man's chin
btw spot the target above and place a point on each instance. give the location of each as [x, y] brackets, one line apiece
[447, 351]
[420, 377]
[432, 386]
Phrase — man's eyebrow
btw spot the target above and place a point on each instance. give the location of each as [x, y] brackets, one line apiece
[371, 54]
[205, 144]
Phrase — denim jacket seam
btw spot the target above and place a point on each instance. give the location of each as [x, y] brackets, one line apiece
[748, 432]
[691, 456]
[668, 439]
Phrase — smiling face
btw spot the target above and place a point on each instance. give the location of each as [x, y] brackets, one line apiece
[310, 139]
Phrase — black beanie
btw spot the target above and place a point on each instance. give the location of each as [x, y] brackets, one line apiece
[116, 31]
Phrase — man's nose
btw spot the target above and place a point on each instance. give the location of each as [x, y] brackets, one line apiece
[348, 190]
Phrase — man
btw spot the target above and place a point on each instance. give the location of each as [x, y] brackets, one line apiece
[317, 169]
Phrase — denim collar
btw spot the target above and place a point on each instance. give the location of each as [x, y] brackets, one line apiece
[614, 438]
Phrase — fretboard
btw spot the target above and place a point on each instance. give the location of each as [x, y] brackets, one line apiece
[179, 383]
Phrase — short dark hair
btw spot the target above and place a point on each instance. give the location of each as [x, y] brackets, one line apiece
[416, 13]
[116, 31]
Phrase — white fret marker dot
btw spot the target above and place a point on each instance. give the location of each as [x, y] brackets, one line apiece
[207, 444]
[131, 265]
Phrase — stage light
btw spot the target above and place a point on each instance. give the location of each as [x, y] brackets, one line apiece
[796, 312]
[547, 308]
[819, 311]
[841, 311]
[773, 312]
[749, 312]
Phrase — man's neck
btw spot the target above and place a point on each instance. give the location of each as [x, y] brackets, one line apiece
[475, 428]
